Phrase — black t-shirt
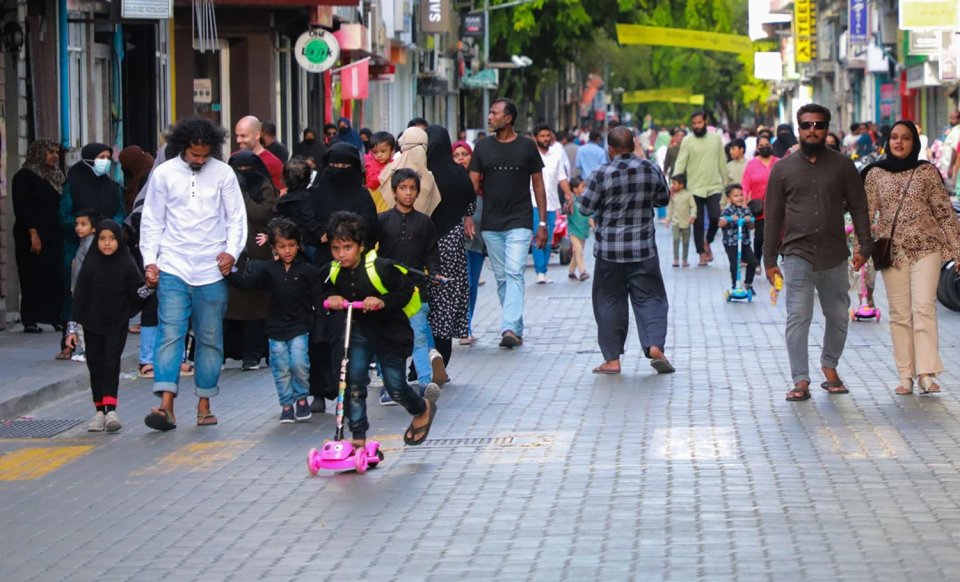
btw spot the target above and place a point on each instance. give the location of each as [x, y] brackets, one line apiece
[505, 170]
[279, 150]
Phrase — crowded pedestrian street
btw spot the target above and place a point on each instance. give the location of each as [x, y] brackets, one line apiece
[536, 469]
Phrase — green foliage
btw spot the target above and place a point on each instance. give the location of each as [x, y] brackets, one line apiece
[554, 33]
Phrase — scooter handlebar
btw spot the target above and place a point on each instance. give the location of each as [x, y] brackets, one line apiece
[355, 304]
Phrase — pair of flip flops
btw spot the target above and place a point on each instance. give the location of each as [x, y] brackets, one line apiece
[833, 387]
[661, 365]
[415, 436]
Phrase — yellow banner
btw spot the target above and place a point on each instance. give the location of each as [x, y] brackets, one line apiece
[929, 14]
[683, 38]
[805, 30]
[633, 99]
[648, 95]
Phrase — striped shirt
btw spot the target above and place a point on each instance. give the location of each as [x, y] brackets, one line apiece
[621, 195]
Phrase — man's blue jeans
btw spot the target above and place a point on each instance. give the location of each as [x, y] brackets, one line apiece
[290, 364]
[148, 342]
[179, 306]
[363, 347]
[508, 255]
[541, 257]
[422, 344]
[474, 268]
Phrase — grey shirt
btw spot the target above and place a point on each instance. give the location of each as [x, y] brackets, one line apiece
[806, 201]
[82, 251]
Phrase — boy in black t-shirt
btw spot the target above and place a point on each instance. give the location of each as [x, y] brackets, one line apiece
[503, 167]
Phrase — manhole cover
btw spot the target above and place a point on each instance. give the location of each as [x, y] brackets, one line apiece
[34, 429]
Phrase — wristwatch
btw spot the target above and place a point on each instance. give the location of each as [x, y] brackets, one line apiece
[543, 224]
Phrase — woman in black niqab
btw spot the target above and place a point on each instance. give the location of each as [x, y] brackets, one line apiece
[785, 140]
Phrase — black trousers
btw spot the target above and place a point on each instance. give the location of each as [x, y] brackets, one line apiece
[709, 207]
[746, 256]
[758, 240]
[103, 362]
[642, 284]
[254, 340]
[324, 368]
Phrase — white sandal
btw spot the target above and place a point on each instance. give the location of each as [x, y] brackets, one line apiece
[928, 384]
[905, 387]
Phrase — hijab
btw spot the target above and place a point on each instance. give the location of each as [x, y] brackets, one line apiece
[453, 182]
[88, 190]
[348, 135]
[338, 189]
[461, 144]
[413, 155]
[253, 176]
[311, 148]
[36, 162]
[136, 165]
[785, 140]
[896, 165]
[105, 295]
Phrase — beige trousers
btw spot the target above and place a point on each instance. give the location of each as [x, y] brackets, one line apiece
[912, 295]
[576, 257]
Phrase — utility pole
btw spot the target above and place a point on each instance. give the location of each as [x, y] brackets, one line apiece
[486, 40]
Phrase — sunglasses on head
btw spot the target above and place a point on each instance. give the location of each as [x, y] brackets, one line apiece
[814, 125]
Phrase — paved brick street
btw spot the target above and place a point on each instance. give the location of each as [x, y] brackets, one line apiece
[536, 468]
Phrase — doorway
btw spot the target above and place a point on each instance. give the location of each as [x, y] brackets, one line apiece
[211, 87]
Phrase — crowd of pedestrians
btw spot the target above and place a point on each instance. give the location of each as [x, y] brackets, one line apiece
[255, 257]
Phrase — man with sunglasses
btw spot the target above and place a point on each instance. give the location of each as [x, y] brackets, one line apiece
[807, 195]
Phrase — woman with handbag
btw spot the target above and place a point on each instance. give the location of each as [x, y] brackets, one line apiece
[916, 231]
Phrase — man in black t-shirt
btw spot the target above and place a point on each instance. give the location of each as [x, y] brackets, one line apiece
[502, 168]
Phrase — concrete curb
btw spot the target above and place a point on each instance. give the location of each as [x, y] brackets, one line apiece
[39, 396]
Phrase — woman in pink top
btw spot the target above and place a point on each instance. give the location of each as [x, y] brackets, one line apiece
[755, 177]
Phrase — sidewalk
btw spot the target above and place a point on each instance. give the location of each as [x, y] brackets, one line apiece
[30, 377]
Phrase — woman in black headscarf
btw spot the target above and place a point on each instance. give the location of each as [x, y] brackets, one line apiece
[339, 187]
[450, 302]
[907, 197]
[311, 148]
[109, 292]
[785, 140]
[88, 187]
[37, 238]
[245, 321]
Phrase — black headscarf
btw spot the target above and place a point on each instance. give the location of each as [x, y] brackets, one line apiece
[254, 176]
[896, 165]
[311, 148]
[453, 182]
[88, 190]
[785, 140]
[105, 297]
[338, 189]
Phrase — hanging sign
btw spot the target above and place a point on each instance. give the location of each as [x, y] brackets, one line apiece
[473, 24]
[683, 38]
[805, 29]
[857, 24]
[147, 9]
[435, 15]
[929, 14]
[316, 50]
[355, 80]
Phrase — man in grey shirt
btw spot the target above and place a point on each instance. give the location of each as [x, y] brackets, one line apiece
[806, 197]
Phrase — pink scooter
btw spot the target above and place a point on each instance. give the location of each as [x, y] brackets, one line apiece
[338, 454]
[864, 310]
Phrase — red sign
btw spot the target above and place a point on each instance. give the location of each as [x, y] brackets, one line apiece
[354, 80]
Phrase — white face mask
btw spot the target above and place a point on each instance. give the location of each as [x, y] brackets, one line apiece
[101, 167]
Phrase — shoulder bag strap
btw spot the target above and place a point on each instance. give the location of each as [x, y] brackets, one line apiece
[903, 195]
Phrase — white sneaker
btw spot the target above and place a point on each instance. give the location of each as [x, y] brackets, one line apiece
[438, 372]
[78, 358]
[97, 423]
[541, 278]
[112, 421]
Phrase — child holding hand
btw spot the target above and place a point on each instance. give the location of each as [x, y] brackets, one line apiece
[578, 227]
[380, 329]
[295, 289]
[681, 214]
[734, 212]
[109, 291]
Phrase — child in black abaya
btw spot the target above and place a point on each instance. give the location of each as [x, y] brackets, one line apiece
[109, 291]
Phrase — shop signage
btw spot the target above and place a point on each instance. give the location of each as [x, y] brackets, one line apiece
[805, 29]
[922, 75]
[202, 91]
[949, 60]
[473, 24]
[484, 79]
[857, 25]
[924, 43]
[316, 50]
[768, 65]
[429, 86]
[929, 14]
[435, 15]
[354, 80]
[147, 9]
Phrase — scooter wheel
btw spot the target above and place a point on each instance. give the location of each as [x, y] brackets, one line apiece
[374, 460]
[361, 460]
[312, 461]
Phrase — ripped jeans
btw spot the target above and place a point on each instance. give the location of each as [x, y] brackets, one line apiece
[363, 347]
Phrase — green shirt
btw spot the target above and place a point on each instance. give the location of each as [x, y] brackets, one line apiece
[703, 161]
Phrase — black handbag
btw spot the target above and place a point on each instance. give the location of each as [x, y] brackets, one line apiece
[882, 253]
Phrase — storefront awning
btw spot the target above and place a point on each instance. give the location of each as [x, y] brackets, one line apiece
[286, 3]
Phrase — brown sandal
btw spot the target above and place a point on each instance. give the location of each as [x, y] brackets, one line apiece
[66, 354]
[798, 394]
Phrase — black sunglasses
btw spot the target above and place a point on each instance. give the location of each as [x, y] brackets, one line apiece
[814, 124]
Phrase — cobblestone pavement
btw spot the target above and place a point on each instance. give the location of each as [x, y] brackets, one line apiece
[536, 468]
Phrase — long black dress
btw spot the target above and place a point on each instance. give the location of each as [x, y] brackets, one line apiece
[36, 205]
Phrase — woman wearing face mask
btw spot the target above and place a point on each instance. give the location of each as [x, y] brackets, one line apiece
[755, 177]
[88, 187]
[909, 204]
